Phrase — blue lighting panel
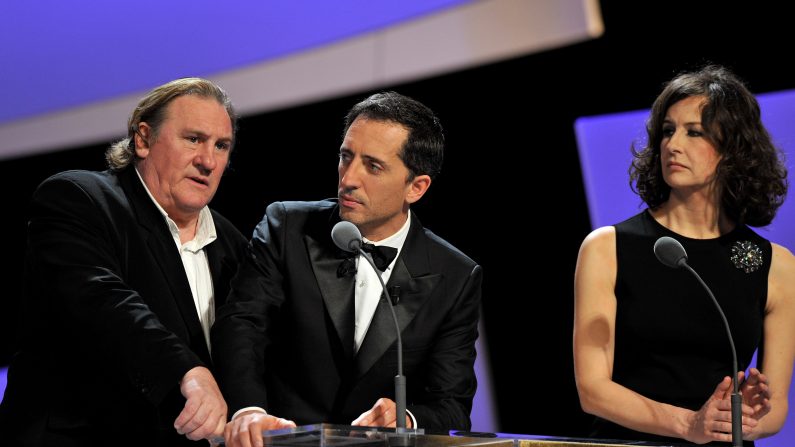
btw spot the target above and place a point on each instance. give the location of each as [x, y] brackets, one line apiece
[59, 54]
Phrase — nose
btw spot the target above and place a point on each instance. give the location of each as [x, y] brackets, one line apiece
[349, 173]
[674, 142]
[205, 159]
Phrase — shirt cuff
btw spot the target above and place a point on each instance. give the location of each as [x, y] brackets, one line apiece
[261, 410]
[413, 419]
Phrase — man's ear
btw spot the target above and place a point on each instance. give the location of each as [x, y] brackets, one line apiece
[141, 136]
[417, 188]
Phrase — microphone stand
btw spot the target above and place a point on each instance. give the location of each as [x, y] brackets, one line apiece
[736, 398]
[400, 379]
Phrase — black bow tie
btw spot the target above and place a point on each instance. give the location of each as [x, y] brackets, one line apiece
[382, 254]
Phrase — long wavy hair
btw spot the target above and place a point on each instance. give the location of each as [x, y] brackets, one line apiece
[751, 176]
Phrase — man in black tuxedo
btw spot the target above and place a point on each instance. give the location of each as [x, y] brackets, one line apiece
[304, 334]
[124, 269]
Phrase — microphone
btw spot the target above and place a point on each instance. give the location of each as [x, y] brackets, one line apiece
[348, 238]
[671, 253]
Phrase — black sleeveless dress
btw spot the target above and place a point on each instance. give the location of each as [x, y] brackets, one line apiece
[671, 344]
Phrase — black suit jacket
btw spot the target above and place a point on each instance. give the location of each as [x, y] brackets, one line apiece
[110, 325]
[284, 339]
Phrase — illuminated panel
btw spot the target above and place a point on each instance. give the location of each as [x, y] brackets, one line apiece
[71, 77]
[124, 48]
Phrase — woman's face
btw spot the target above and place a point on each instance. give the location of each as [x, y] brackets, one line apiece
[689, 160]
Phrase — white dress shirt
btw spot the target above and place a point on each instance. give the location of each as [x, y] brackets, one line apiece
[194, 259]
[368, 289]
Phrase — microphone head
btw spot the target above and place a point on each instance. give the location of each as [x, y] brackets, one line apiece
[670, 252]
[346, 236]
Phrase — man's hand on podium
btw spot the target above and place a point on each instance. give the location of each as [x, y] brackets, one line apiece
[381, 415]
[204, 413]
[246, 428]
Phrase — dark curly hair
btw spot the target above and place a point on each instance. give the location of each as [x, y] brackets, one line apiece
[751, 176]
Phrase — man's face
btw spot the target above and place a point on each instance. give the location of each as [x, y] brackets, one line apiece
[374, 192]
[182, 166]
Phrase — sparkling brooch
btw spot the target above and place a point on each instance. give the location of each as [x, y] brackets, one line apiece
[746, 256]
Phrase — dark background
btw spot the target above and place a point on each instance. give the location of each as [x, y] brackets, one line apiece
[510, 194]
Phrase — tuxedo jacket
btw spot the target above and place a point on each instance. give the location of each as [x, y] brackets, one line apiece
[110, 325]
[284, 339]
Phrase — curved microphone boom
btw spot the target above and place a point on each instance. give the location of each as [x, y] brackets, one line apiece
[348, 238]
[671, 253]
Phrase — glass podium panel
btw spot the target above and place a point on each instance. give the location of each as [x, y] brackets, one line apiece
[329, 435]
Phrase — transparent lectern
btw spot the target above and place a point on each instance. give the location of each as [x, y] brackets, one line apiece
[328, 435]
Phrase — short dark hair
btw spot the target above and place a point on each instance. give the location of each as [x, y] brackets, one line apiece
[423, 151]
[152, 110]
[751, 176]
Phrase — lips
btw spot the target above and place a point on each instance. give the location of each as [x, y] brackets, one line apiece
[348, 201]
[200, 180]
[673, 164]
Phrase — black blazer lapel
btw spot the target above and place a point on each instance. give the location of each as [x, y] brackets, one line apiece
[222, 268]
[415, 290]
[337, 291]
[163, 248]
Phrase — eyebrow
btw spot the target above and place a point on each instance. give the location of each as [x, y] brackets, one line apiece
[670, 121]
[377, 160]
[206, 136]
[345, 150]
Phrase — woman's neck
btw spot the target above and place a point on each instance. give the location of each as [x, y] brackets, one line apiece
[695, 218]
